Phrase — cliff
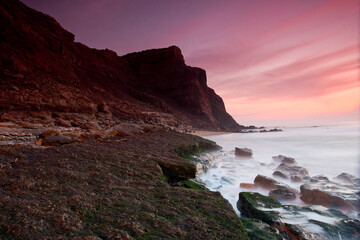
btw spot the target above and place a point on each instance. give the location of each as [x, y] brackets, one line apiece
[46, 78]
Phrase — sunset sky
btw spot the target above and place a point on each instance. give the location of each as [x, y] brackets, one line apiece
[273, 62]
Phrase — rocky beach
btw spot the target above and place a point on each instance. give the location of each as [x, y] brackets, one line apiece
[94, 145]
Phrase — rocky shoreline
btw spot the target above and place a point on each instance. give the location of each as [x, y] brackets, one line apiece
[310, 207]
[123, 186]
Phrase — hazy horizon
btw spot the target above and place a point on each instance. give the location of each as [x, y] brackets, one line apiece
[288, 62]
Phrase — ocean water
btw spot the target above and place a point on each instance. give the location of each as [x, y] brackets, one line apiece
[323, 150]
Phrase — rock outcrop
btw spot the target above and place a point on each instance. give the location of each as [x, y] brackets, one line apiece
[310, 223]
[47, 78]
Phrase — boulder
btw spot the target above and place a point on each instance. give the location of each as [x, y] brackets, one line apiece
[296, 173]
[282, 193]
[266, 182]
[258, 230]
[325, 198]
[251, 204]
[284, 159]
[243, 152]
[347, 178]
[278, 190]
[247, 185]
[280, 175]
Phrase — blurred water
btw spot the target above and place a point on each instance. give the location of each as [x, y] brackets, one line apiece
[325, 150]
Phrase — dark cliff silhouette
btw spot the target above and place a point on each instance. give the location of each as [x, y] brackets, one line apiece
[45, 75]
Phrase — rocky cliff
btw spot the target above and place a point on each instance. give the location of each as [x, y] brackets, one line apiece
[47, 78]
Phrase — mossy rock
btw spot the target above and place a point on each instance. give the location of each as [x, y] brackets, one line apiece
[258, 230]
[188, 151]
[252, 205]
[193, 185]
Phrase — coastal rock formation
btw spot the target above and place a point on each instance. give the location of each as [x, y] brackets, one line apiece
[297, 173]
[321, 191]
[284, 159]
[48, 79]
[243, 152]
[311, 223]
[278, 190]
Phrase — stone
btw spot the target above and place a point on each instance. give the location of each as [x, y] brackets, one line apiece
[258, 230]
[243, 152]
[282, 193]
[247, 185]
[266, 182]
[284, 159]
[296, 172]
[318, 197]
[346, 177]
[280, 175]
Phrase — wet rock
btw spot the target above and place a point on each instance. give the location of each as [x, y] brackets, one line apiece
[258, 230]
[284, 159]
[347, 178]
[247, 185]
[280, 175]
[266, 182]
[251, 203]
[310, 223]
[243, 152]
[282, 193]
[327, 199]
[278, 190]
[296, 173]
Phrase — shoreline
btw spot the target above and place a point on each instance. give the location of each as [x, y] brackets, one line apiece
[208, 133]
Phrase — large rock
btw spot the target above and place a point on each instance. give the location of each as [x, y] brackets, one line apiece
[278, 190]
[348, 178]
[325, 198]
[266, 182]
[282, 193]
[258, 230]
[296, 173]
[243, 152]
[296, 222]
[284, 159]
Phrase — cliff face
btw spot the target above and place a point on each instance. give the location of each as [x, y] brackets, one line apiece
[46, 76]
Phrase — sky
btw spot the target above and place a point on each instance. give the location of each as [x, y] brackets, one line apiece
[278, 62]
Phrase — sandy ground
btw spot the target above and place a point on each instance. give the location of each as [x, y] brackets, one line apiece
[208, 133]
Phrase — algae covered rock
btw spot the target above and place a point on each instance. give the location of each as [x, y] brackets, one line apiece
[258, 230]
[251, 205]
[297, 222]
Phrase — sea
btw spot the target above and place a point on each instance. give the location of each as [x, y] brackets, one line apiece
[327, 150]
